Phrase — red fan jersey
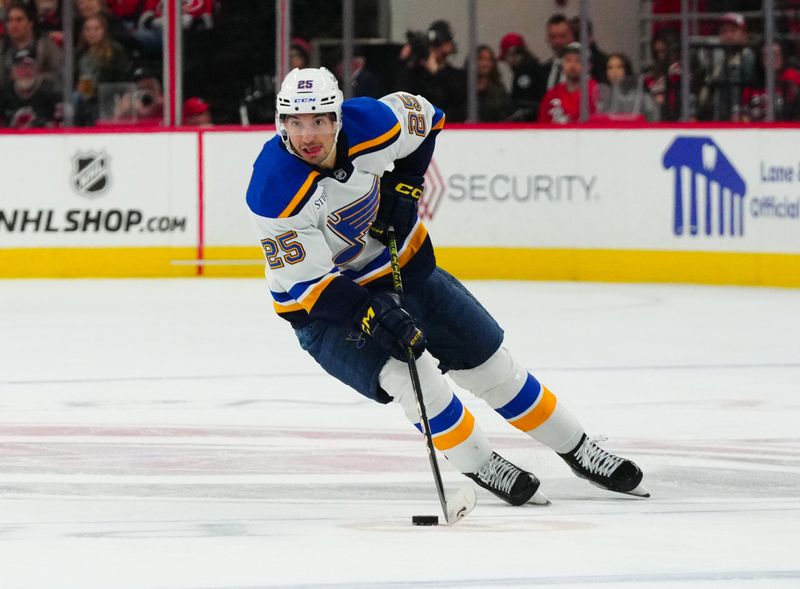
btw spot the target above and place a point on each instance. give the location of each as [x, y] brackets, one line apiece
[126, 8]
[193, 8]
[560, 106]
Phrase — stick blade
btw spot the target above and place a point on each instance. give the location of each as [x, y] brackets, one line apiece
[461, 504]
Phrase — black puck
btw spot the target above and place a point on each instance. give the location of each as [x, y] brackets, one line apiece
[425, 520]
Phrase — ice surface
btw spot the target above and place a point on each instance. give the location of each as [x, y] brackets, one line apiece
[172, 435]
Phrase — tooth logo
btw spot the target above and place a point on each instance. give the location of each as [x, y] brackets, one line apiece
[709, 192]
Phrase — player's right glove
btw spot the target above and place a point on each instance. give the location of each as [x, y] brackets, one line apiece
[400, 196]
[383, 319]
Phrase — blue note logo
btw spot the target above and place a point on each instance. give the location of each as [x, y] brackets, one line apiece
[351, 223]
[709, 192]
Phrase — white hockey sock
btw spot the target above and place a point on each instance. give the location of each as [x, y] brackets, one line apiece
[454, 430]
[522, 401]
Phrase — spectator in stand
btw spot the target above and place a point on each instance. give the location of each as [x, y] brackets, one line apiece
[196, 113]
[145, 105]
[100, 60]
[299, 53]
[21, 34]
[561, 104]
[559, 35]
[527, 86]
[128, 11]
[729, 67]
[363, 81]
[787, 90]
[87, 9]
[493, 100]
[663, 78]
[30, 100]
[624, 96]
[197, 15]
[433, 76]
[48, 20]
[597, 57]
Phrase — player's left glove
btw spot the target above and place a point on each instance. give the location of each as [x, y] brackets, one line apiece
[391, 326]
[400, 196]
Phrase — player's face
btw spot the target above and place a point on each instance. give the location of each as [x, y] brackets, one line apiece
[312, 136]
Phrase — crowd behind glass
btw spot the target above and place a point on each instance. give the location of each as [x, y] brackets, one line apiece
[229, 68]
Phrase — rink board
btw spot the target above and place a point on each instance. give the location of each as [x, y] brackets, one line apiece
[656, 205]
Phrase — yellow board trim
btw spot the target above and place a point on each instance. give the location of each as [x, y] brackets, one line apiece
[108, 262]
[465, 263]
[457, 435]
[540, 412]
[373, 142]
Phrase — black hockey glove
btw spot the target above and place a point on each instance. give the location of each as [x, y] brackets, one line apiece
[390, 326]
[400, 196]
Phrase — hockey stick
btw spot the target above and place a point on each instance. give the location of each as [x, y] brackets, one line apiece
[466, 498]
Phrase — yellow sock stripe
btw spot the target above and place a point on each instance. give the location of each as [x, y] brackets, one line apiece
[456, 435]
[538, 414]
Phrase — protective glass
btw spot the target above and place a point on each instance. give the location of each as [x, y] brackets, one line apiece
[309, 125]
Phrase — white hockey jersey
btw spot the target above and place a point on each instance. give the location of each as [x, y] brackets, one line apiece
[313, 224]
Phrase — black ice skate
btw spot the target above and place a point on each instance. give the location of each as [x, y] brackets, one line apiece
[512, 484]
[603, 469]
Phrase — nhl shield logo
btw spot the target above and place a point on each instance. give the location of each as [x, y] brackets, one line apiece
[90, 173]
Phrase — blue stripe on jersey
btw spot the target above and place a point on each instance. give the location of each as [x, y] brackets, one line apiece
[437, 116]
[446, 419]
[381, 260]
[281, 297]
[277, 178]
[524, 400]
[299, 288]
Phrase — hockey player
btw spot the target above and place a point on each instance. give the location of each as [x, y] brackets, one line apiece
[323, 200]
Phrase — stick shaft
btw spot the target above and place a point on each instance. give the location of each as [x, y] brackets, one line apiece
[412, 371]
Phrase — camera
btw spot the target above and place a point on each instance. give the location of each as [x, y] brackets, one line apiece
[144, 98]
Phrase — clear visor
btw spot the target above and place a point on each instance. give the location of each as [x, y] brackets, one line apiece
[309, 125]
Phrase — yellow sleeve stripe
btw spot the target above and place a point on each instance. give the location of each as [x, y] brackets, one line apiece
[373, 142]
[440, 125]
[299, 196]
[540, 412]
[311, 298]
[408, 253]
[286, 308]
[457, 435]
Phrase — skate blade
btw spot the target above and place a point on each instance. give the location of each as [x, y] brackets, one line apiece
[539, 499]
[461, 504]
[639, 491]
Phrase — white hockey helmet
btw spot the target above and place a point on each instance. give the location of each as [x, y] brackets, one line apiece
[308, 91]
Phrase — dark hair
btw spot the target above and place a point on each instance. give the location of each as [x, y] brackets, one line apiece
[28, 8]
[557, 19]
[439, 33]
[494, 74]
[627, 65]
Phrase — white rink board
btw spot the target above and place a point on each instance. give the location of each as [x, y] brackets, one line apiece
[606, 189]
[528, 188]
[564, 188]
[228, 162]
[146, 183]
